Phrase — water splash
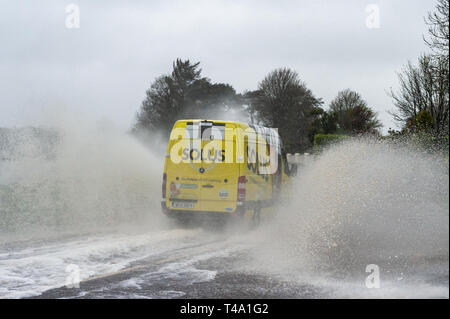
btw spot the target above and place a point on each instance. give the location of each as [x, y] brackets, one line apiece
[363, 202]
[85, 178]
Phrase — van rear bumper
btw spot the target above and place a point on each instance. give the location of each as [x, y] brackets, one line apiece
[193, 214]
[204, 218]
[206, 206]
[202, 214]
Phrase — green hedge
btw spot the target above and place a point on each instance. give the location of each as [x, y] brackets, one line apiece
[323, 140]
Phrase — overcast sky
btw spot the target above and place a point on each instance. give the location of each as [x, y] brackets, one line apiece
[104, 67]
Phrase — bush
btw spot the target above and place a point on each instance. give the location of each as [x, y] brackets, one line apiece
[323, 140]
[422, 122]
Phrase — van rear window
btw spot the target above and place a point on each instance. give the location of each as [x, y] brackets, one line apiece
[205, 131]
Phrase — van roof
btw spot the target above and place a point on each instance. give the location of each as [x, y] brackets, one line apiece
[208, 120]
[213, 121]
[271, 133]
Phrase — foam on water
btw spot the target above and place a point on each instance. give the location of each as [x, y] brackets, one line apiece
[32, 270]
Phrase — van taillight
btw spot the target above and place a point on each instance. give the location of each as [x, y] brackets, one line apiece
[241, 188]
[164, 185]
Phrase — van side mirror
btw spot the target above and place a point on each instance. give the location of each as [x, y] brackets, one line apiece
[293, 170]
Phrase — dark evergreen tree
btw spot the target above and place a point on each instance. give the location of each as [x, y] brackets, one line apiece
[185, 94]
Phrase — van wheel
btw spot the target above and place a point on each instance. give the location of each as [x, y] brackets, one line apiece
[256, 218]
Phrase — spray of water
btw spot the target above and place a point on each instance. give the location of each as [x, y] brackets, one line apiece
[359, 203]
[86, 178]
[362, 202]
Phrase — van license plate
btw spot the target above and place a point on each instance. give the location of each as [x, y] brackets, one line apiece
[182, 205]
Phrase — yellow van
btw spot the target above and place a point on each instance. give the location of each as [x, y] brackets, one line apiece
[223, 169]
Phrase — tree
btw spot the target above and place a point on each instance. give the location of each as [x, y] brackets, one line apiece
[215, 101]
[352, 114]
[283, 101]
[184, 93]
[167, 96]
[328, 123]
[438, 29]
[424, 87]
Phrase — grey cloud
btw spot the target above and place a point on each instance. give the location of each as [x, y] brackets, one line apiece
[105, 66]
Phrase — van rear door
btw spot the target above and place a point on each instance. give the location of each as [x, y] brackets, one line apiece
[183, 183]
[183, 187]
[219, 177]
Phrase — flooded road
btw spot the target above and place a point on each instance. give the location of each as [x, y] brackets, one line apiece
[195, 263]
